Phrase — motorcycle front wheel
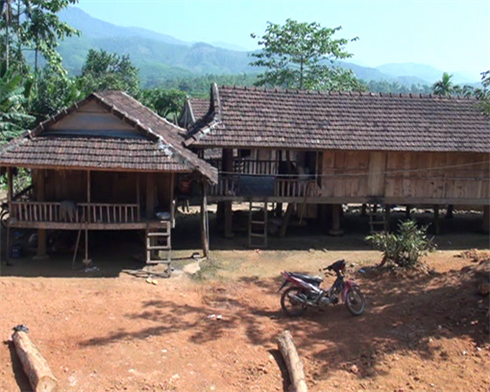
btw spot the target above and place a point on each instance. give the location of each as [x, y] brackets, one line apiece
[355, 301]
[290, 305]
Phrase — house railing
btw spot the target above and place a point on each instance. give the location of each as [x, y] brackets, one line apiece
[69, 212]
[296, 188]
[250, 166]
[226, 186]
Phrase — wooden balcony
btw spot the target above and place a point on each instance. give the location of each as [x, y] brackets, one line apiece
[260, 187]
[69, 215]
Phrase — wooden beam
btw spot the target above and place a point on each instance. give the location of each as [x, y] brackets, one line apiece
[437, 227]
[42, 237]
[486, 219]
[150, 195]
[285, 221]
[336, 215]
[10, 184]
[293, 362]
[204, 221]
[228, 212]
[35, 366]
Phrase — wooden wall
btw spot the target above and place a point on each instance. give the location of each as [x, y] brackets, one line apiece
[425, 177]
[106, 187]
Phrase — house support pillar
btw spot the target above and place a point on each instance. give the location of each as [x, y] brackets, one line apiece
[150, 195]
[364, 210]
[10, 188]
[228, 212]
[42, 237]
[437, 226]
[408, 210]
[336, 215]
[486, 219]
[204, 221]
[449, 211]
[227, 168]
[387, 217]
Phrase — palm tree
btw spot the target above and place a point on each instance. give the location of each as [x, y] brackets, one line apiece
[445, 86]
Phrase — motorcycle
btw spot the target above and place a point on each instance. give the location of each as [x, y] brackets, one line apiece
[305, 292]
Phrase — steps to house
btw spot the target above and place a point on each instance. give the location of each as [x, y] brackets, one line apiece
[257, 224]
[158, 239]
[377, 218]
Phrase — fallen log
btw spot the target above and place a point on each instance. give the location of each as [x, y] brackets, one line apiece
[34, 364]
[293, 362]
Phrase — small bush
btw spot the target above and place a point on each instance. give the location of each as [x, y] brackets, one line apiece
[404, 248]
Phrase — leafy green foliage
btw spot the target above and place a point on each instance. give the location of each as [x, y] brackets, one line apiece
[404, 248]
[34, 25]
[301, 56]
[166, 103]
[109, 71]
[483, 94]
[14, 91]
[444, 86]
[56, 92]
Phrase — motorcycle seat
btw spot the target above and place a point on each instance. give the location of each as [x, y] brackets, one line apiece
[308, 278]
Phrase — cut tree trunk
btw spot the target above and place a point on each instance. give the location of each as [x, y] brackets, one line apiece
[35, 366]
[293, 362]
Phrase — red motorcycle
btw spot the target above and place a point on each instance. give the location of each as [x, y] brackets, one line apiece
[306, 292]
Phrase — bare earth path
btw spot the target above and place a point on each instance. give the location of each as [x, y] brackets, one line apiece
[427, 332]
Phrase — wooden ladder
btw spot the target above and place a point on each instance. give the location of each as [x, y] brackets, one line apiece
[377, 217]
[257, 229]
[154, 239]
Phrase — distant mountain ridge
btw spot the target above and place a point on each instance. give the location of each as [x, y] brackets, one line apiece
[162, 57]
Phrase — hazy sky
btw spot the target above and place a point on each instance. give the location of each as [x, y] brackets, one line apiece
[451, 35]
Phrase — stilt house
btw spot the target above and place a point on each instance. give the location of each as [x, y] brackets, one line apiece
[106, 163]
[319, 151]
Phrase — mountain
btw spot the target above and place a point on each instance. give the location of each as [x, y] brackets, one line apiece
[425, 73]
[158, 56]
[161, 57]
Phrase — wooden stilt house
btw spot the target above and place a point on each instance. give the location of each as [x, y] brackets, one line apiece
[106, 163]
[319, 151]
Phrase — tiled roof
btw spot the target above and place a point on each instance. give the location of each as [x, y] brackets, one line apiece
[250, 117]
[199, 106]
[157, 147]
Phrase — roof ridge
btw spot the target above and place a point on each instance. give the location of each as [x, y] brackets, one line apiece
[347, 93]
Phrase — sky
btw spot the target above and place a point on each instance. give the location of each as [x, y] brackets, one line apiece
[451, 35]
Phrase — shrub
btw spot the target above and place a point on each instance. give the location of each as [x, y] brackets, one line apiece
[404, 248]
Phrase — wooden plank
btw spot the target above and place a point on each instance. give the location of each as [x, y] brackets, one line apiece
[376, 178]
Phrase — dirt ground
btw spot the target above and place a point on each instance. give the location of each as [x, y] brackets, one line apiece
[106, 330]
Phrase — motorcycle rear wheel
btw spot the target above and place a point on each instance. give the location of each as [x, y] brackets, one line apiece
[355, 301]
[291, 306]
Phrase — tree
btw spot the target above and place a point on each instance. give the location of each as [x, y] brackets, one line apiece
[14, 91]
[166, 103]
[303, 56]
[54, 93]
[445, 86]
[109, 71]
[43, 29]
[483, 94]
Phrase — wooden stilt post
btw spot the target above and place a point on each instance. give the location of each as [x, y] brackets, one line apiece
[336, 214]
[486, 219]
[408, 211]
[228, 212]
[449, 212]
[41, 233]
[387, 217]
[204, 221]
[9, 199]
[437, 227]
[364, 210]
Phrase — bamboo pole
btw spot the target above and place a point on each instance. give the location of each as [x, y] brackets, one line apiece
[34, 364]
